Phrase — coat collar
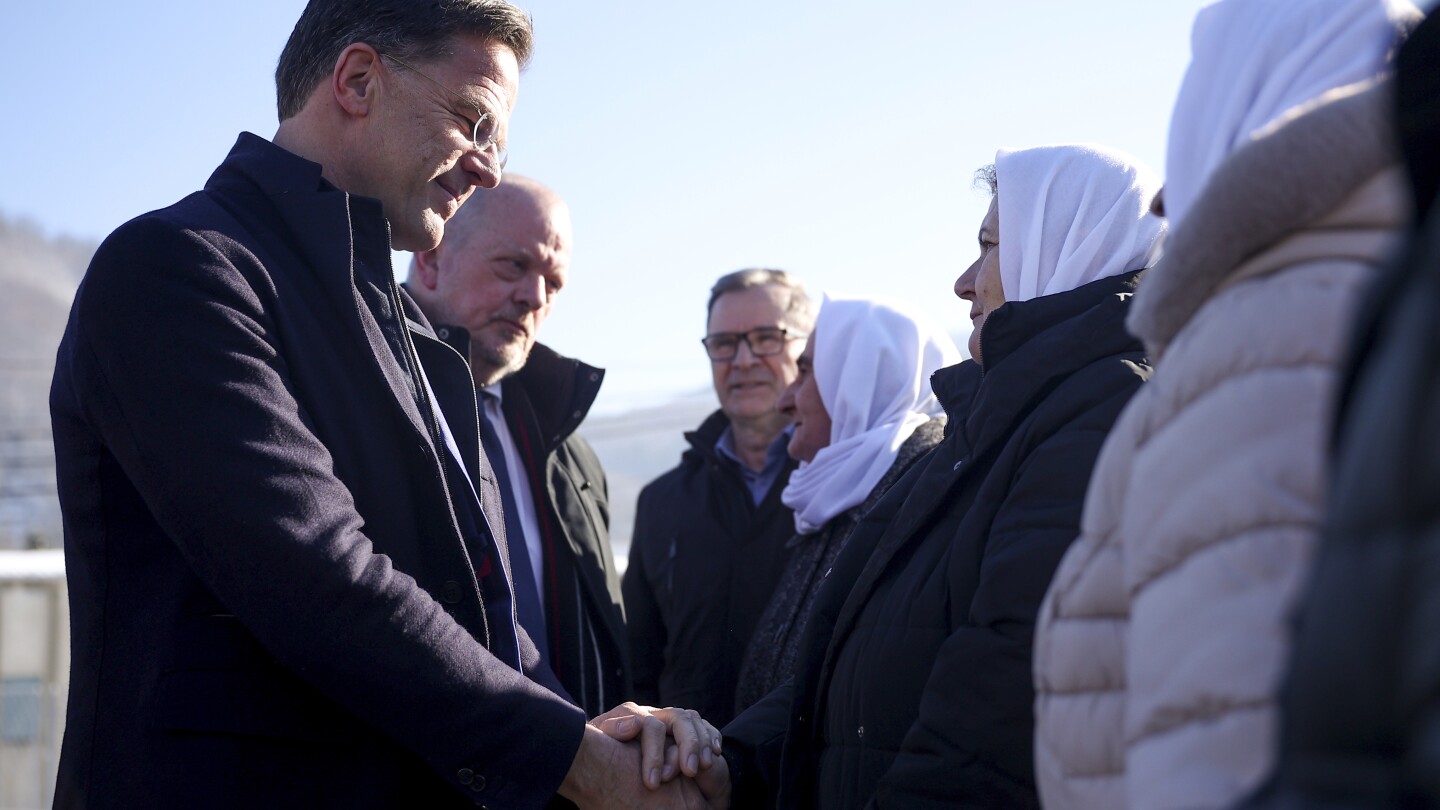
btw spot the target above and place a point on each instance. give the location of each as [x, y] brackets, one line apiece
[955, 387]
[1031, 346]
[340, 238]
[1013, 326]
[1296, 177]
[559, 390]
[550, 397]
[257, 163]
[314, 212]
[702, 439]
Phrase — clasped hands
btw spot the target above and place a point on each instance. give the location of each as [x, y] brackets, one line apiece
[638, 756]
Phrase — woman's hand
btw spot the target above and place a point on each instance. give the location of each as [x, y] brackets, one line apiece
[672, 740]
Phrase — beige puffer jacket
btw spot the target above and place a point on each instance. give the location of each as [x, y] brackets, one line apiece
[1164, 634]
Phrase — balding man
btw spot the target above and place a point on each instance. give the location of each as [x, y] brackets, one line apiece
[487, 288]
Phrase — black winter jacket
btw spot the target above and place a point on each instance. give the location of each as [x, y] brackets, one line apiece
[770, 658]
[914, 689]
[544, 404]
[703, 563]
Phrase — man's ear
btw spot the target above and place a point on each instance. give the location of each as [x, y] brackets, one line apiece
[427, 269]
[356, 80]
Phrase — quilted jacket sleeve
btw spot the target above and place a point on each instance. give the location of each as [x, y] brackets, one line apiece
[1219, 523]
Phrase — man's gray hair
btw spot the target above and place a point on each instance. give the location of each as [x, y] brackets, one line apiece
[410, 30]
[800, 311]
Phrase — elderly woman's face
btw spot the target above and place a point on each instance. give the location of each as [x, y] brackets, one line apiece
[980, 283]
[802, 403]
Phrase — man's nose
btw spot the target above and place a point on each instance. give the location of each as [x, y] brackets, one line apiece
[480, 168]
[743, 355]
[530, 291]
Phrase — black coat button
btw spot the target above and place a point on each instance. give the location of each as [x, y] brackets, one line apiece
[450, 592]
[479, 783]
[466, 776]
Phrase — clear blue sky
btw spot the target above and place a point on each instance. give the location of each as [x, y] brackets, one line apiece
[833, 139]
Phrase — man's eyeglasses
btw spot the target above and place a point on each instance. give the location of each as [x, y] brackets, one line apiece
[763, 342]
[484, 132]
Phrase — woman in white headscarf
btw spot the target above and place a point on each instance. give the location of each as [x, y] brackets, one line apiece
[1072, 214]
[1163, 638]
[862, 412]
[912, 681]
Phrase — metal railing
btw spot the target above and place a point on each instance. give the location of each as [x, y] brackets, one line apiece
[34, 675]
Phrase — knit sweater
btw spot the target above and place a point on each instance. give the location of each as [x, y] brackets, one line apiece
[770, 659]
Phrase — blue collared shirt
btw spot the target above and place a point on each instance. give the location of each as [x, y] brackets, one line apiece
[759, 482]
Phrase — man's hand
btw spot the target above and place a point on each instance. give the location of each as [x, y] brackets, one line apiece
[695, 748]
[603, 777]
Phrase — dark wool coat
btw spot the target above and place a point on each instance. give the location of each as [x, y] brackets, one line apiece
[703, 563]
[271, 601]
[1360, 708]
[770, 659]
[913, 687]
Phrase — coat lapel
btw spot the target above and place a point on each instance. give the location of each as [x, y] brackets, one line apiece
[373, 318]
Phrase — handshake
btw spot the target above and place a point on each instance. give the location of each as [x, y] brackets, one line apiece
[637, 756]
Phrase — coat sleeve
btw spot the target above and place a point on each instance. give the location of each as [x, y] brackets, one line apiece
[1079, 667]
[754, 744]
[584, 461]
[971, 745]
[1220, 521]
[643, 623]
[178, 368]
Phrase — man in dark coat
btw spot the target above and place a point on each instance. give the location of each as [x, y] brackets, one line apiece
[709, 541]
[487, 288]
[289, 581]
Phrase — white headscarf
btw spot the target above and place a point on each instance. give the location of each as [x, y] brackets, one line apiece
[1252, 60]
[1072, 214]
[873, 361]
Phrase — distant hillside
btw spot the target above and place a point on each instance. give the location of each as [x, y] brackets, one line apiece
[39, 276]
[639, 445]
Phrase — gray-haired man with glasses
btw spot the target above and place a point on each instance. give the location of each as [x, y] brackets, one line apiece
[710, 535]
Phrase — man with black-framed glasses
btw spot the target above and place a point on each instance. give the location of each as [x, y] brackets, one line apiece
[710, 535]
